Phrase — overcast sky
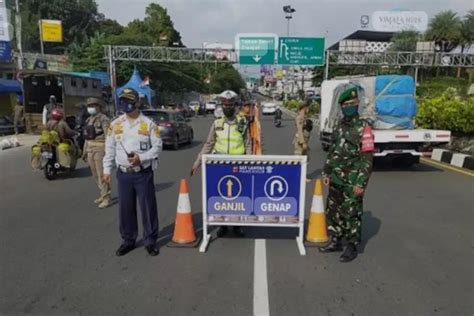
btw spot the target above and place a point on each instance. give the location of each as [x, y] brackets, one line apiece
[201, 21]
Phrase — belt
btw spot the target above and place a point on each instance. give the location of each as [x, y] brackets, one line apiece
[132, 169]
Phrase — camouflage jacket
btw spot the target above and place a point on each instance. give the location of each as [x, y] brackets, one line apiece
[346, 165]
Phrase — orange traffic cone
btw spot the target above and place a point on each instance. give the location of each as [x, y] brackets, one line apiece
[184, 234]
[317, 230]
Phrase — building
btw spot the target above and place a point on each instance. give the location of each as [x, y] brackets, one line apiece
[364, 41]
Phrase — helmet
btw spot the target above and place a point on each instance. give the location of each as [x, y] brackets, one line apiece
[57, 114]
[129, 94]
[52, 99]
[228, 96]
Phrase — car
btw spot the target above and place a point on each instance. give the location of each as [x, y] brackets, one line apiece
[268, 108]
[185, 110]
[174, 128]
[211, 106]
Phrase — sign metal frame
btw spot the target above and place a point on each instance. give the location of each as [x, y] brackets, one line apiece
[267, 160]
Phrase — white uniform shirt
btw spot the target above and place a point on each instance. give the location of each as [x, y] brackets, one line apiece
[142, 137]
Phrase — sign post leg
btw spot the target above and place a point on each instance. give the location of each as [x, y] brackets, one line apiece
[299, 242]
[205, 239]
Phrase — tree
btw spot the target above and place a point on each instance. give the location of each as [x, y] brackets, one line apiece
[158, 24]
[467, 29]
[405, 41]
[445, 28]
[226, 79]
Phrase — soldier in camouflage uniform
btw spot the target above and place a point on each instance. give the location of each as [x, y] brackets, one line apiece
[301, 140]
[347, 172]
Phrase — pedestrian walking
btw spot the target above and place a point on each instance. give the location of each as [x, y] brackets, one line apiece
[133, 144]
[347, 172]
[94, 133]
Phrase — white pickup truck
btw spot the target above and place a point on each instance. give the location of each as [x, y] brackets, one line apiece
[407, 144]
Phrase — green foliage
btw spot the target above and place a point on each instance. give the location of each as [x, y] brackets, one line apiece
[445, 27]
[467, 28]
[405, 41]
[448, 111]
[436, 86]
[228, 78]
[291, 104]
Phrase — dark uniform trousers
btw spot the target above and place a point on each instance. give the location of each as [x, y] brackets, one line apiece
[133, 186]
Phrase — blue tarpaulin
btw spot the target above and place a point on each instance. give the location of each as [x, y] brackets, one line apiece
[137, 84]
[9, 86]
[395, 96]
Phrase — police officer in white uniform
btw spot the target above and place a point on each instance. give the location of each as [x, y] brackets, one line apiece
[133, 145]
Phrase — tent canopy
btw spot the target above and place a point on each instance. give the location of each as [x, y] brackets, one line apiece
[9, 86]
[138, 85]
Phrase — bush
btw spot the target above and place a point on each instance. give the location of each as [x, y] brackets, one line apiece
[448, 111]
[291, 104]
[436, 87]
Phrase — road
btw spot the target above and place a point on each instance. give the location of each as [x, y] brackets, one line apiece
[57, 250]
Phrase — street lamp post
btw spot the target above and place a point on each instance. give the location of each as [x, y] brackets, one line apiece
[288, 16]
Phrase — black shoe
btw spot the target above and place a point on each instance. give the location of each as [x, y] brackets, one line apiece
[333, 246]
[152, 250]
[222, 231]
[124, 249]
[349, 254]
[238, 231]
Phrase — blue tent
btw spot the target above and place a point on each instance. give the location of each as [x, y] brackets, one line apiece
[9, 86]
[136, 83]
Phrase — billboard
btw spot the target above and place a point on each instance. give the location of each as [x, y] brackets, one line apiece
[396, 21]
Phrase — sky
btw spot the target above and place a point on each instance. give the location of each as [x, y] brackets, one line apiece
[201, 21]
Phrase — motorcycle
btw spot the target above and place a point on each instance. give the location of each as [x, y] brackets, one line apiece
[277, 119]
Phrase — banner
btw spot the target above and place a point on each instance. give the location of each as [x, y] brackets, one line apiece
[5, 51]
[396, 21]
[260, 190]
[4, 23]
[51, 31]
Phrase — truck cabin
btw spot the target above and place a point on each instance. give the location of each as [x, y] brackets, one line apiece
[71, 91]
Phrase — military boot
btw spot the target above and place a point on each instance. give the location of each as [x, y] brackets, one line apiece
[349, 254]
[334, 245]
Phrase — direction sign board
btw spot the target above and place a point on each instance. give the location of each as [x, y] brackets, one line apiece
[301, 51]
[256, 50]
[253, 191]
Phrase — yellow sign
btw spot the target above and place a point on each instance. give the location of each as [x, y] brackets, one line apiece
[51, 31]
[279, 74]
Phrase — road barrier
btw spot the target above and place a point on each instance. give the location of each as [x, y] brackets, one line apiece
[266, 191]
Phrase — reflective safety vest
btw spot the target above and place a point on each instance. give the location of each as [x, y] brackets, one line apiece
[229, 140]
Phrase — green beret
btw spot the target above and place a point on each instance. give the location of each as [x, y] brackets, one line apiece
[348, 94]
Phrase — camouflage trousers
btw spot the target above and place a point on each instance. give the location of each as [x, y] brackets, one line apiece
[344, 213]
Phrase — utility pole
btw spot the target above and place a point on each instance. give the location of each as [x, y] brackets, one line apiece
[18, 34]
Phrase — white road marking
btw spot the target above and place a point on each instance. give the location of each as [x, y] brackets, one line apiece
[260, 283]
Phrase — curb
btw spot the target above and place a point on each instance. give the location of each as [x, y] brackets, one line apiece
[455, 159]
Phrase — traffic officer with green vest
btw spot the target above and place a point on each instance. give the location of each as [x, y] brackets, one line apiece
[226, 137]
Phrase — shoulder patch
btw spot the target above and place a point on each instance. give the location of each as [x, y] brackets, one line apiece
[143, 128]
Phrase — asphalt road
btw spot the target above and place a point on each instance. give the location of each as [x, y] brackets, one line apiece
[57, 250]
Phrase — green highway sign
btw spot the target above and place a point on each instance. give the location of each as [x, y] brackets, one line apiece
[301, 51]
[257, 50]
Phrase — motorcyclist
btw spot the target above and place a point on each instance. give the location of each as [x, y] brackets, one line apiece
[66, 135]
[278, 114]
[48, 108]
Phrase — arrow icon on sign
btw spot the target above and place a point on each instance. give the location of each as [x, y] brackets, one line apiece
[274, 184]
[229, 184]
[257, 58]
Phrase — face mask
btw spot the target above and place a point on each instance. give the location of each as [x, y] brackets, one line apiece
[126, 106]
[92, 111]
[350, 110]
[228, 111]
